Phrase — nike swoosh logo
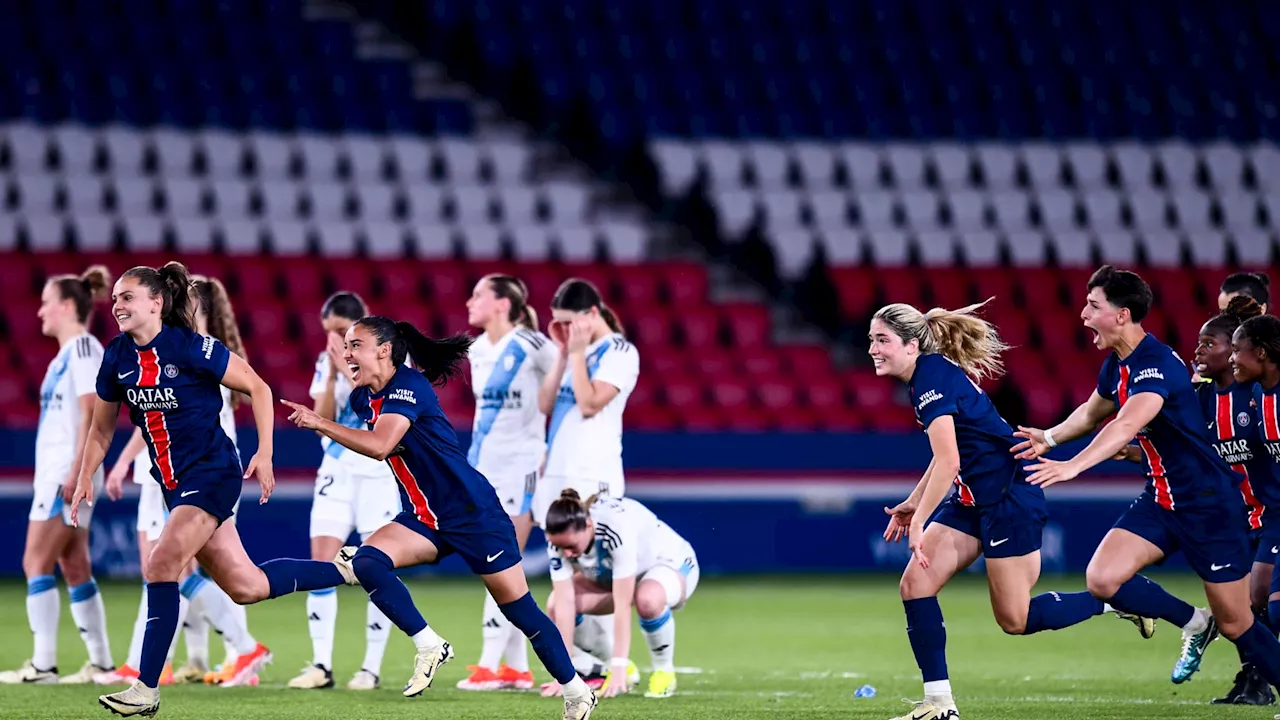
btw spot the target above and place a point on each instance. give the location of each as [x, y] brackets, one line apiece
[120, 376]
[189, 492]
[1216, 568]
[1275, 549]
[998, 543]
[491, 558]
[154, 618]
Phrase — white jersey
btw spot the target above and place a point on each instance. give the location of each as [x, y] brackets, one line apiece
[226, 418]
[344, 416]
[591, 448]
[72, 373]
[509, 432]
[630, 541]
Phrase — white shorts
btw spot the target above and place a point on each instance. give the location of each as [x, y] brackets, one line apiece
[668, 571]
[344, 501]
[47, 502]
[550, 487]
[515, 489]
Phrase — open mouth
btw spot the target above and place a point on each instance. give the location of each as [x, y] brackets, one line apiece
[121, 318]
[355, 370]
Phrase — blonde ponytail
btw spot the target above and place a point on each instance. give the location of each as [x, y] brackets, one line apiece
[959, 335]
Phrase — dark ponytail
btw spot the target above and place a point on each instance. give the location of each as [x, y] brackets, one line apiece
[512, 288]
[568, 512]
[1239, 309]
[344, 304]
[438, 360]
[84, 290]
[172, 283]
[580, 295]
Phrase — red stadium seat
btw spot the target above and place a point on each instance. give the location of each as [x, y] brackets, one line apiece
[686, 284]
[894, 418]
[640, 287]
[306, 282]
[807, 361]
[699, 326]
[448, 283]
[794, 419]
[542, 280]
[761, 361]
[17, 278]
[994, 283]
[948, 287]
[703, 419]
[254, 278]
[20, 317]
[776, 394]
[901, 285]
[264, 321]
[731, 394]
[1040, 287]
[661, 360]
[651, 329]
[870, 391]
[650, 417]
[683, 392]
[856, 290]
[749, 324]
[713, 363]
[749, 420]
[400, 282]
[826, 394]
[643, 394]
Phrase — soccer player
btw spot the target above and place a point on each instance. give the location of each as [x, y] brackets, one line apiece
[1254, 285]
[585, 394]
[352, 492]
[1226, 407]
[449, 506]
[170, 377]
[993, 512]
[509, 361]
[1190, 501]
[609, 554]
[66, 397]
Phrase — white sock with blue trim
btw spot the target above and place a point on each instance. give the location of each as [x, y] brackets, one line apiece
[660, 634]
[195, 632]
[377, 630]
[217, 606]
[139, 630]
[43, 608]
[90, 616]
[493, 634]
[322, 615]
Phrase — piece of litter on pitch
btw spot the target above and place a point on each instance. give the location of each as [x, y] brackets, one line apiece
[866, 691]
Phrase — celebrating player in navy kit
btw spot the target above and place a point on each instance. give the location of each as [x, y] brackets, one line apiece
[993, 511]
[1190, 502]
[170, 377]
[1226, 407]
[449, 507]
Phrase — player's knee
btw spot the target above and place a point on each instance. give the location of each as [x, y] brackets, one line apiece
[551, 605]
[370, 565]
[651, 602]
[163, 566]
[1011, 622]
[915, 584]
[76, 569]
[1232, 625]
[1101, 583]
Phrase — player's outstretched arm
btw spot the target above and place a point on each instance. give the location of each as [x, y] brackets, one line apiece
[900, 515]
[95, 451]
[240, 377]
[945, 468]
[1082, 421]
[378, 443]
[624, 592]
[1140, 410]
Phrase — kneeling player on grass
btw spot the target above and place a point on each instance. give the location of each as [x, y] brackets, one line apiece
[608, 554]
[993, 512]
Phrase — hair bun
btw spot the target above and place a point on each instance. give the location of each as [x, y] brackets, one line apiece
[1262, 278]
[1242, 307]
[570, 494]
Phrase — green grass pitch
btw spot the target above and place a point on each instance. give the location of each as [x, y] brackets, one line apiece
[766, 648]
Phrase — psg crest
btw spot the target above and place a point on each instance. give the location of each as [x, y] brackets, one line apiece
[1242, 419]
[170, 371]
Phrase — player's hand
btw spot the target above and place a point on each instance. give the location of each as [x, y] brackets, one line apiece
[900, 518]
[916, 540]
[335, 349]
[115, 481]
[1048, 472]
[552, 689]
[69, 487]
[615, 682]
[84, 492]
[302, 416]
[261, 466]
[1131, 453]
[559, 333]
[579, 335]
[1033, 444]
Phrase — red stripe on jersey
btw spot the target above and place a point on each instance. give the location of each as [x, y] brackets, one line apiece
[421, 508]
[1164, 496]
[157, 427]
[1122, 390]
[1225, 420]
[375, 405]
[1270, 423]
[966, 494]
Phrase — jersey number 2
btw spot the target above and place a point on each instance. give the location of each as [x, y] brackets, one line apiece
[328, 480]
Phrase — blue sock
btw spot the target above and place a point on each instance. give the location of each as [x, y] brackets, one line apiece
[928, 636]
[543, 635]
[287, 575]
[1258, 646]
[1140, 596]
[1054, 611]
[375, 571]
[162, 623]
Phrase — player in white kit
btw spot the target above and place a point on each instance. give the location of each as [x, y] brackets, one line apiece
[609, 554]
[203, 603]
[509, 361]
[585, 394]
[352, 492]
[66, 400]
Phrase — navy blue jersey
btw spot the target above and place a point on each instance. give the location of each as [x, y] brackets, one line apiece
[435, 479]
[1181, 465]
[1265, 409]
[1233, 428]
[987, 469]
[172, 387]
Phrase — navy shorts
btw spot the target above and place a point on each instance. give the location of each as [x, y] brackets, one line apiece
[214, 493]
[1009, 528]
[1212, 536]
[488, 546]
[1266, 544]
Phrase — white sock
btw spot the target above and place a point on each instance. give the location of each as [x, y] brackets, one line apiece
[1199, 621]
[43, 608]
[90, 615]
[219, 608]
[660, 635]
[427, 639]
[184, 607]
[376, 631]
[493, 630]
[586, 663]
[139, 630]
[595, 635]
[196, 633]
[1106, 608]
[241, 617]
[938, 692]
[517, 651]
[575, 688]
[322, 614]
